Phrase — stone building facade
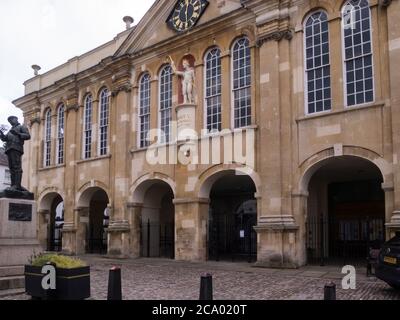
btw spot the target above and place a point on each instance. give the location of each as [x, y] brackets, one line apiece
[312, 90]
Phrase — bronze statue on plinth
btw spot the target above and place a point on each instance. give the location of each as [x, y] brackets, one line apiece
[14, 149]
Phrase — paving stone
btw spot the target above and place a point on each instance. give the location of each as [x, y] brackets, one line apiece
[170, 280]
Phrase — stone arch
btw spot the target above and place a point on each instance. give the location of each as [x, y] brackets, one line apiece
[318, 160]
[307, 8]
[87, 190]
[100, 89]
[47, 196]
[210, 176]
[142, 184]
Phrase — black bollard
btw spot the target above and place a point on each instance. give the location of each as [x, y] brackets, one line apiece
[206, 288]
[330, 291]
[114, 284]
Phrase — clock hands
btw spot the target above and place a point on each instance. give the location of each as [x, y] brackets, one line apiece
[187, 11]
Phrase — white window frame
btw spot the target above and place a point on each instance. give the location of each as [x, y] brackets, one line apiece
[99, 148]
[205, 114]
[47, 138]
[140, 115]
[85, 126]
[306, 92]
[60, 153]
[164, 141]
[345, 98]
[233, 85]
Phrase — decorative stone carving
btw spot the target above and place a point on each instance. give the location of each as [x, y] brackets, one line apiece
[35, 120]
[276, 36]
[385, 3]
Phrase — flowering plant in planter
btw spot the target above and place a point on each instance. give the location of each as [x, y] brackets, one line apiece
[72, 278]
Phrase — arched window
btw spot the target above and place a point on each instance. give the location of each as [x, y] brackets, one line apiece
[47, 139]
[87, 127]
[357, 42]
[104, 118]
[241, 65]
[165, 104]
[144, 110]
[318, 70]
[60, 134]
[213, 90]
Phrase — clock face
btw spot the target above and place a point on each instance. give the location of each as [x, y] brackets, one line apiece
[186, 14]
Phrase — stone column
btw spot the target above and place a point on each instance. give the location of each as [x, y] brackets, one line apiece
[43, 228]
[135, 222]
[118, 238]
[191, 217]
[81, 229]
[277, 228]
[393, 20]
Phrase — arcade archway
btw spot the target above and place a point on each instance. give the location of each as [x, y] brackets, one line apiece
[345, 211]
[232, 217]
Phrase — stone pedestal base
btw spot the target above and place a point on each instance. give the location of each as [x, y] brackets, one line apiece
[18, 231]
[277, 242]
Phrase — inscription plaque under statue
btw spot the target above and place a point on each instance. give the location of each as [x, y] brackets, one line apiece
[20, 212]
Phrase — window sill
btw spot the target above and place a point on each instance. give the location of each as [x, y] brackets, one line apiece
[52, 167]
[108, 156]
[377, 104]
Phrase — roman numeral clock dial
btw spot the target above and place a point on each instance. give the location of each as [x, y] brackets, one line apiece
[186, 14]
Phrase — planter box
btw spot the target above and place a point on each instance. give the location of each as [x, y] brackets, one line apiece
[71, 284]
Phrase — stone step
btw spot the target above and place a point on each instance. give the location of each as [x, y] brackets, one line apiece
[13, 282]
[11, 271]
[12, 292]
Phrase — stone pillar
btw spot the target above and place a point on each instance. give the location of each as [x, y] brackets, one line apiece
[191, 217]
[277, 228]
[118, 238]
[393, 20]
[388, 188]
[69, 238]
[135, 222]
[43, 228]
[81, 228]
[299, 202]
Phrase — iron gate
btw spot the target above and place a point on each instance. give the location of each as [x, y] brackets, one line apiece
[342, 241]
[157, 240]
[228, 239]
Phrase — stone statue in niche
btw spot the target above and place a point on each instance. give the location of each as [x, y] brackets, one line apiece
[14, 149]
[188, 78]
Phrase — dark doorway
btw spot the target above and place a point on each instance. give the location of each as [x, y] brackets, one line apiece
[98, 223]
[233, 215]
[56, 224]
[345, 218]
[158, 222]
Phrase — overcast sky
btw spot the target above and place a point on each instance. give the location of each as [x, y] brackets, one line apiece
[50, 32]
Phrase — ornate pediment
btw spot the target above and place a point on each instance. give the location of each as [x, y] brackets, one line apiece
[154, 28]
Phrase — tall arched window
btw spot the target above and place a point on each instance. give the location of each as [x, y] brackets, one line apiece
[165, 104]
[60, 134]
[213, 90]
[357, 42]
[144, 110]
[104, 118]
[241, 82]
[87, 127]
[318, 70]
[47, 139]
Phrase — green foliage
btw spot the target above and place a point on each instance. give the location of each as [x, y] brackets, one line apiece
[60, 261]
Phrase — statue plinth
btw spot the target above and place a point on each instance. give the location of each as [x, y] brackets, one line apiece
[186, 121]
[16, 194]
[18, 231]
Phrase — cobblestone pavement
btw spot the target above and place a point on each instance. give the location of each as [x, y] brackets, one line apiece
[155, 279]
